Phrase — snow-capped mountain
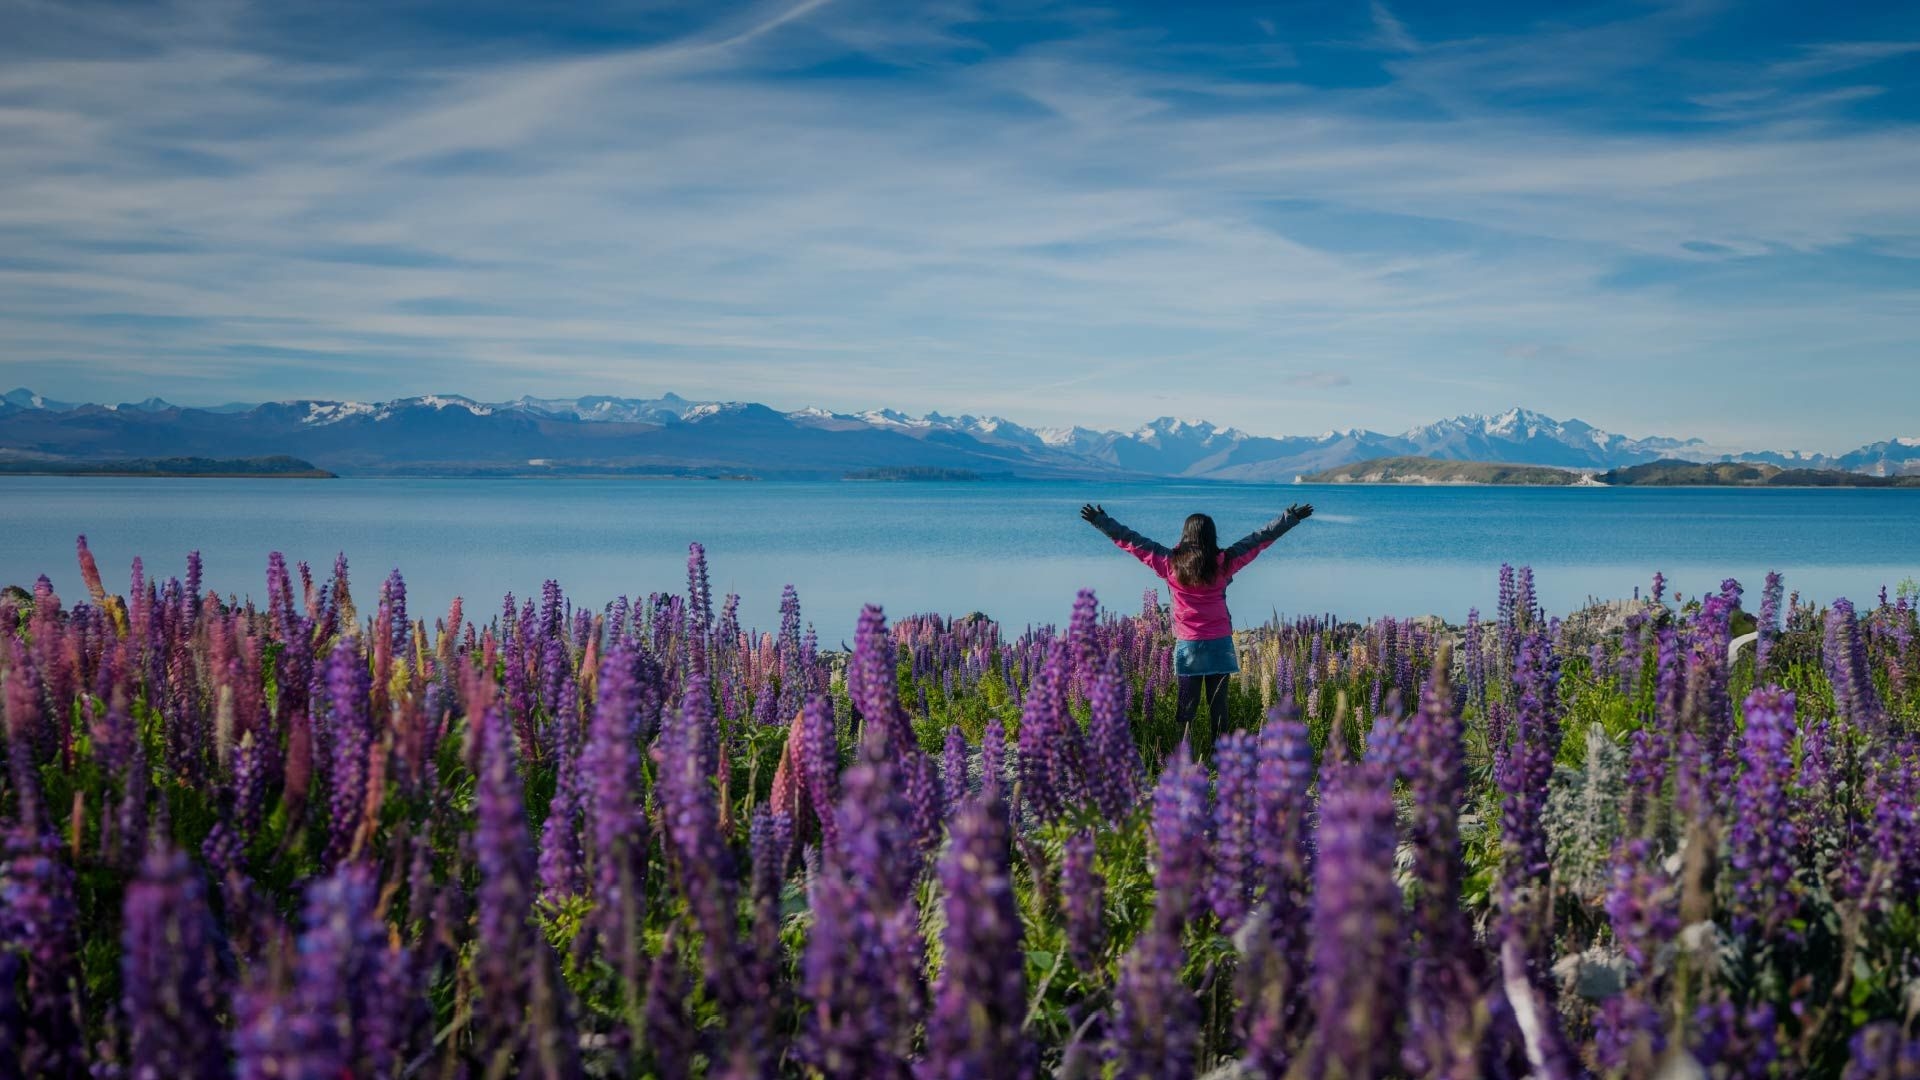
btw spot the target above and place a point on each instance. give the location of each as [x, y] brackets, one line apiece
[22, 398]
[1895, 457]
[453, 433]
[601, 409]
[1521, 436]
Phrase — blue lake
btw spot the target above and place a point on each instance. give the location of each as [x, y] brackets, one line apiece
[1015, 550]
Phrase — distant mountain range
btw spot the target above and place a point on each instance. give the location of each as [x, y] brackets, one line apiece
[670, 435]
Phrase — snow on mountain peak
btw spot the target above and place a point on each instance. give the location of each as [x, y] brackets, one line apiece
[449, 401]
[321, 413]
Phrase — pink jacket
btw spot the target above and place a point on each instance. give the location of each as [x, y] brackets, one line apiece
[1199, 612]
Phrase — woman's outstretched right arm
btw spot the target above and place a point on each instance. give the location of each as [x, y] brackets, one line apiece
[1154, 555]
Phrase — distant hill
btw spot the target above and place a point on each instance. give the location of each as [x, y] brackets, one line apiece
[280, 467]
[1421, 470]
[1732, 474]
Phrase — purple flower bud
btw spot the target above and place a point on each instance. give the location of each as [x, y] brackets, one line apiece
[1113, 758]
[350, 737]
[980, 1001]
[818, 759]
[38, 931]
[953, 778]
[514, 965]
[703, 861]
[1180, 841]
[1052, 770]
[1446, 967]
[1769, 620]
[1765, 835]
[610, 771]
[860, 974]
[993, 755]
[1849, 671]
[1234, 810]
[1356, 927]
[1525, 904]
[873, 684]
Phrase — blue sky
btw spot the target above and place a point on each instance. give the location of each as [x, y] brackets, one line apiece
[1687, 218]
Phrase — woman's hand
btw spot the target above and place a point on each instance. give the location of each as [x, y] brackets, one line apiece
[1301, 511]
[1090, 512]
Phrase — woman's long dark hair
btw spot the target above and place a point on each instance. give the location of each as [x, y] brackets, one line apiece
[1196, 558]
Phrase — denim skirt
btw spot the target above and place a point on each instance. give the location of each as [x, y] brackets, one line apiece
[1213, 656]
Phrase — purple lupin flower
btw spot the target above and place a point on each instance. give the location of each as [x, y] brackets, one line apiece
[1273, 973]
[873, 683]
[1734, 1042]
[1881, 1051]
[1446, 968]
[342, 951]
[980, 1000]
[1083, 894]
[273, 1037]
[610, 770]
[818, 759]
[1052, 769]
[1081, 646]
[38, 935]
[1628, 1033]
[1769, 620]
[1525, 903]
[1157, 1018]
[1642, 902]
[1180, 841]
[1766, 830]
[1113, 757]
[562, 865]
[1284, 775]
[195, 573]
[513, 963]
[750, 1028]
[350, 740]
[699, 608]
[1883, 867]
[703, 860]
[1523, 777]
[993, 754]
[860, 974]
[1358, 976]
[168, 991]
[671, 1038]
[1230, 889]
[393, 605]
[953, 779]
[1845, 656]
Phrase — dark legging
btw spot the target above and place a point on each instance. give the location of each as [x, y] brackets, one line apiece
[1192, 689]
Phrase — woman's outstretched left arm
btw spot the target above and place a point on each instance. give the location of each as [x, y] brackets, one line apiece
[1154, 555]
[1249, 547]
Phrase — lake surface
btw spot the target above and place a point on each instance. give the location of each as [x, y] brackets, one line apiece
[1015, 550]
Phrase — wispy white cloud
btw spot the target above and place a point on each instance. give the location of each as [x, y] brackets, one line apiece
[1390, 31]
[1828, 58]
